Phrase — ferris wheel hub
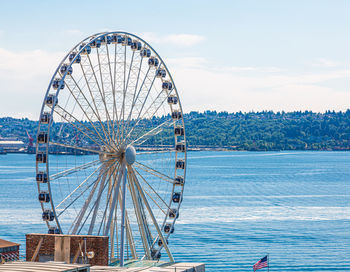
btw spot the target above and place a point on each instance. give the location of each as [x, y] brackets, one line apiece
[130, 154]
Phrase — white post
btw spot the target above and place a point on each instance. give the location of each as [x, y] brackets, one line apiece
[123, 218]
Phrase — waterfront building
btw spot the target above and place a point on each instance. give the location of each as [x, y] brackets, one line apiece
[11, 145]
[9, 251]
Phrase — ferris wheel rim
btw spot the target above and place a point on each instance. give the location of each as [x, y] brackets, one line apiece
[94, 38]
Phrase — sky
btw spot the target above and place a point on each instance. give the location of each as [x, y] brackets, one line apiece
[230, 56]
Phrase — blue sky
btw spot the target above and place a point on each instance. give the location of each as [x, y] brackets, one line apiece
[224, 55]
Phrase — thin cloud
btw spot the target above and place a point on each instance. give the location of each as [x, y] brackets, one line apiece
[325, 63]
[73, 32]
[188, 62]
[26, 64]
[182, 40]
[253, 69]
[200, 83]
[203, 87]
[24, 77]
[203, 63]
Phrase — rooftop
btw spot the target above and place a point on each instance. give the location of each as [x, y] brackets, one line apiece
[10, 142]
[4, 243]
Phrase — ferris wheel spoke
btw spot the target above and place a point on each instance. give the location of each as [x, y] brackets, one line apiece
[156, 151]
[76, 188]
[76, 224]
[96, 204]
[92, 208]
[153, 172]
[129, 234]
[81, 107]
[82, 212]
[94, 103]
[140, 219]
[154, 103]
[114, 200]
[110, 188]
[103, 95]
[154, 191]
[73, 170]
[80, 148]
[124, 94]
[157, 108]
[155, 223]
[109, 195]
[108, 198]
[153, 132]
[119, 81]
[137, 96]
[64, 116]
[77, 197]
[134, 93]
[130, 237]
[113, 227]
[115, 109]
[146, 233]
[126, 86]
[150, 118]
[114, 118]
[113, 236]
[138, 117]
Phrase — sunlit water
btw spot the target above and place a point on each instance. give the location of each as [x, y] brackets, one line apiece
[238, 206]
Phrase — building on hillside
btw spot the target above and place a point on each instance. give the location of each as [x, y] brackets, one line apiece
[9, 251]
[11, 145]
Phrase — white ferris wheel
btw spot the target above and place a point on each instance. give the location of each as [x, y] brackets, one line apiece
[111, 147]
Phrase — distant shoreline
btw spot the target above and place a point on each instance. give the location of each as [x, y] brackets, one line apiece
[219, 149]
[223, 131]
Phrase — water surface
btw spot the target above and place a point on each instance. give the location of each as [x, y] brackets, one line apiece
[238, 206]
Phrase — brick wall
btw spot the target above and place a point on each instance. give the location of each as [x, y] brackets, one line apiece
[97, 244]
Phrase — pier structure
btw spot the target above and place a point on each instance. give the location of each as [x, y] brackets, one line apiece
[67, 248]
[62, 267]
[60, 252]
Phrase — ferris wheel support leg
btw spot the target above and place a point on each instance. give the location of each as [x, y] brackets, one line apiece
[123, 218]
[138, 186]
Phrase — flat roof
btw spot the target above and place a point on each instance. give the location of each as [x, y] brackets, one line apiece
[4, 243]
[11, 142]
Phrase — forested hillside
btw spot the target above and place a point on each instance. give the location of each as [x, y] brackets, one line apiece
[270, 131]
[244, 131]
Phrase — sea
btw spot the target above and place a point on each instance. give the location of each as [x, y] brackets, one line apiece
[237, 208]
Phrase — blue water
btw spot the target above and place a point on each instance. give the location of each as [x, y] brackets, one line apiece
[238, 206]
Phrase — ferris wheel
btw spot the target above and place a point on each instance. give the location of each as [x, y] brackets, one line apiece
[111, 147]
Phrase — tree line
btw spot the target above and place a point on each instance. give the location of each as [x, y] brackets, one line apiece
[253, 131]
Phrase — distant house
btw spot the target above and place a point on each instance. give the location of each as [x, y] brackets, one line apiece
[9, 251]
